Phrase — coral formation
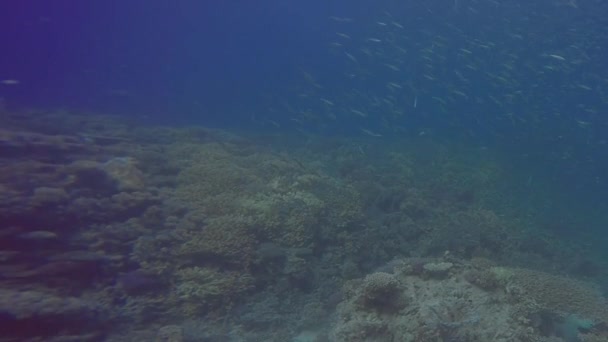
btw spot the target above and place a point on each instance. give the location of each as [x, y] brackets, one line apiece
[554, 293]
[450, 309]
[220, 237]
[205, 288]
[381, 292]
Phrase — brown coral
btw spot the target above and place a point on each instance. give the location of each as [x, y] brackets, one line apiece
[381, 292]
[225, 238]
[206, 288]
[555, 293]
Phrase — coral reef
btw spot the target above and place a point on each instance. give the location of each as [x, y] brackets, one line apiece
[155, 233]
[381, 292]
[521, 305]
[49, 314]
[554, 293]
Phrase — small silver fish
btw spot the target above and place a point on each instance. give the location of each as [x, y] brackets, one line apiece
[10, 82]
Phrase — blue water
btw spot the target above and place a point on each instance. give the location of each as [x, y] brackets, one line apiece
[531, 78]
[196, 58]
[526, 80]
[240, 64]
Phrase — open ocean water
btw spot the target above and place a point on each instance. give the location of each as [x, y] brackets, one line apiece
[248, 171]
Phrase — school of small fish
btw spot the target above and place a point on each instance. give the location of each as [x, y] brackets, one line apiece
[478, 65]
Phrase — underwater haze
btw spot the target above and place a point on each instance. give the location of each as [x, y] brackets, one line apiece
[335, 171]
[209, 61]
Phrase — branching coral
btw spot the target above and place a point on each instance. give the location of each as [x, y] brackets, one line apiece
[381, 292]
[225, 239]
[289, 219]
[206, 288]
[555, 293]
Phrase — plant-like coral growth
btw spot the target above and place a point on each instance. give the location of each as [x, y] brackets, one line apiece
[206, 288]
[554, 293]
[224, 239]
[239, 199]
[381, 292]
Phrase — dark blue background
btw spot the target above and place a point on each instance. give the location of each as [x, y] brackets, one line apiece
[200, 61]
[230, 62]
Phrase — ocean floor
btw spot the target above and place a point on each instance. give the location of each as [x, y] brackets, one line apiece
[112, 230]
